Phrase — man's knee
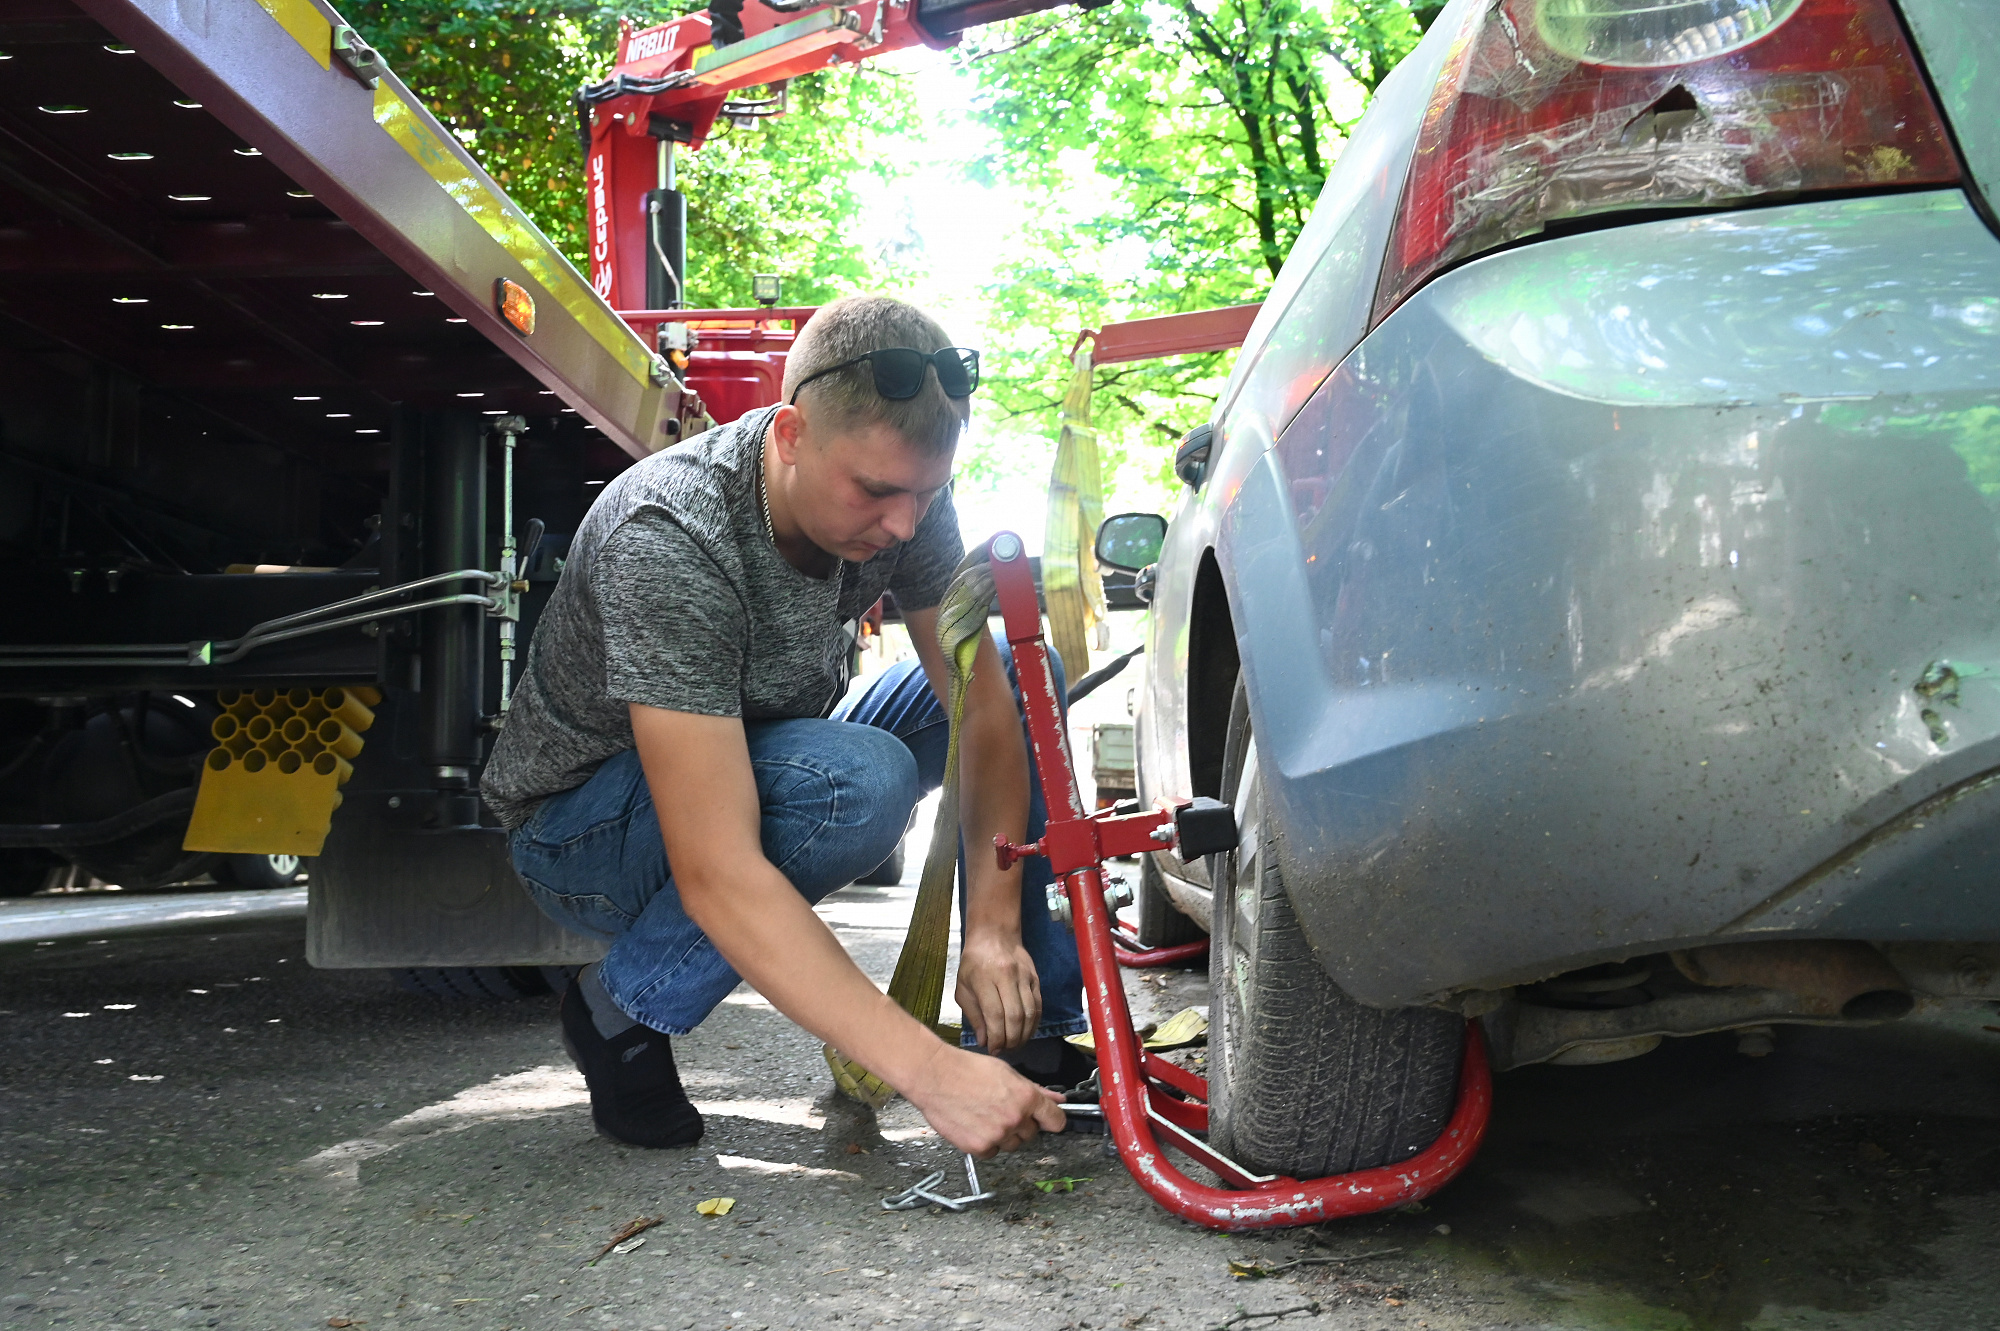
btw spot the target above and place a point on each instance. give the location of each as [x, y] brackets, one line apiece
[883, 777]
[835, 805]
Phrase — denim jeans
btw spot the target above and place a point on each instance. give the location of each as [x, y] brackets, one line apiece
[836, 796]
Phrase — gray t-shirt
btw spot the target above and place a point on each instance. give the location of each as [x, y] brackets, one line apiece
[673, 597]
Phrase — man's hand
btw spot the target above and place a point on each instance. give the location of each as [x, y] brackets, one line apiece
[998, 990]
[980, 1105]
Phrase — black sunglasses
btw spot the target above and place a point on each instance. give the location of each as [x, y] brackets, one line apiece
[899, 371]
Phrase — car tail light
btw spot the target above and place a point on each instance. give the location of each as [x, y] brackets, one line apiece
[1552, 109]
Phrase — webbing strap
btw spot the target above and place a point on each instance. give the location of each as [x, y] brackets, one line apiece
[1070, 585]
[918, 984]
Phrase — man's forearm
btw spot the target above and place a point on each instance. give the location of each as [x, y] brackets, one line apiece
[993, 801]
[768, 932]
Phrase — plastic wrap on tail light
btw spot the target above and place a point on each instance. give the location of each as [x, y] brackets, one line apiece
[1680, 104]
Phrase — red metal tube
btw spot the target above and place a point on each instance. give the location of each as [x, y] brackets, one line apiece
[1134, 957]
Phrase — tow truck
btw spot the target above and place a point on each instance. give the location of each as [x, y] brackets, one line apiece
[297, 411]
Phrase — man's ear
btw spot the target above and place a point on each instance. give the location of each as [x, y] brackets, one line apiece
[788, 434]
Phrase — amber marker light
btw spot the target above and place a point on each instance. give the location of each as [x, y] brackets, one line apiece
[516, 306]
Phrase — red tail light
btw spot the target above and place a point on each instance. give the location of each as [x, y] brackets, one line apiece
[1552, 109]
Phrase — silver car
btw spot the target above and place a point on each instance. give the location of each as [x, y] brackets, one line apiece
[1587, 591]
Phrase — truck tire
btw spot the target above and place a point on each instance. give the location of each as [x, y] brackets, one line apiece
[1304, 1080]
[1161, 923]
[22, 872]
[478, 984]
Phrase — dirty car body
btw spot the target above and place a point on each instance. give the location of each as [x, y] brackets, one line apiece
[1613, 572]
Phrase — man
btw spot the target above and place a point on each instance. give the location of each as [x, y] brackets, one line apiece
[669, 780]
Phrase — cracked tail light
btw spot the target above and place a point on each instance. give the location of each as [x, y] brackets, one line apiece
[1554, 109]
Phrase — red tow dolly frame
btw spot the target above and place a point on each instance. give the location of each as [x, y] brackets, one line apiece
[1146, 1100]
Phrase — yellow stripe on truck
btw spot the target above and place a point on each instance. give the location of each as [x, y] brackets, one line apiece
[307, 25]
[513, 232]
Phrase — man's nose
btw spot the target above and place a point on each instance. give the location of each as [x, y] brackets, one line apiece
[900, 518]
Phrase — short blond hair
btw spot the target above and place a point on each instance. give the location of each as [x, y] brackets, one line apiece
[854, 326]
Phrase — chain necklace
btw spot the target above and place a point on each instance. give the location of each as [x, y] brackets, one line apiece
[764, 502]
[764, 492]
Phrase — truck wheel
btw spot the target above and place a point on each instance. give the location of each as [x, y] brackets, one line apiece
[263, 873]
[22, 872]
[478, 984]
[1161, 923]
[1303, 1080]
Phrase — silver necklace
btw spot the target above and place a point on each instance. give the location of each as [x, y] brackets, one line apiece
[764, 493]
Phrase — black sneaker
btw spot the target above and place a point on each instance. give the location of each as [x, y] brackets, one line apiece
[1051, 1061]
[635, 1091]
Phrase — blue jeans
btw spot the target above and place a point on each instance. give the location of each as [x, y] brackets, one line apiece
[836, 796]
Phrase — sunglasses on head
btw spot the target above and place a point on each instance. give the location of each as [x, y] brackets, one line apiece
[899, 371]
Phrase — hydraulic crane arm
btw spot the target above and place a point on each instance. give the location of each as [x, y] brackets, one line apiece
[670, 83]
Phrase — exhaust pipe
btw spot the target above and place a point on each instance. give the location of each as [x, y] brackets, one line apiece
[1845, 979]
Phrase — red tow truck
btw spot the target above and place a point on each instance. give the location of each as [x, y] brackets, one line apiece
[297, 411]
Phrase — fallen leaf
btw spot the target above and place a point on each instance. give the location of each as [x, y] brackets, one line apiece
[1060, 1184]
[1186, 1027]
[715, 1206]
[1247, 1271]
[1393, 1303]
[856, 1148]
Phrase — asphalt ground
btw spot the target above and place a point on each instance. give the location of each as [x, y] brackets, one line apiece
[198, 1130]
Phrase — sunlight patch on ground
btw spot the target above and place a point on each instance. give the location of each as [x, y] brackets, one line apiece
[789, 1113]
[535, 1093]
[751, 1165]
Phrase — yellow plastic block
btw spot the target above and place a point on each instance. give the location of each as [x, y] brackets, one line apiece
[273, 782]
[263, 812]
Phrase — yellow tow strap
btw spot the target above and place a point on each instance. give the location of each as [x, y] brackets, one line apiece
[918, 984]
[1070, 585]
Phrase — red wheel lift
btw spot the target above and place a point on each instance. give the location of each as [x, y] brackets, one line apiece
[1148, 1102]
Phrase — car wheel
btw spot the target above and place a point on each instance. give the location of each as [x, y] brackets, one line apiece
[886, 874]
[262, 873]
[1161, 923]
[478, 984]
[1303, 1080]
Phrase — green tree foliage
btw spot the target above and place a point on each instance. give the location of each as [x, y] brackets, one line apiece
[779, 195]
[1208, 127]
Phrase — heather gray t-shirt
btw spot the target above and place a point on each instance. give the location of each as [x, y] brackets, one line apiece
[673, 597]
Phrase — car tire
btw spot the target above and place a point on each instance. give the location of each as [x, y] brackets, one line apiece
[886, 874]
[477, 984]
[1303, 1080]
[1161, 923]
[264, 873]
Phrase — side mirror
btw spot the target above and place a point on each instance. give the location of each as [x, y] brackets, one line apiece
[1191, 459]
[1131, 540]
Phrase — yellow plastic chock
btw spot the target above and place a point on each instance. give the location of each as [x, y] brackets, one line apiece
[272, 782]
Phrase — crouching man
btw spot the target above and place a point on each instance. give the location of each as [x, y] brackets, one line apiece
[672, 782]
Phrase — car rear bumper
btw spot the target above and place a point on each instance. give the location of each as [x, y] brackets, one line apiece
[1641, 589]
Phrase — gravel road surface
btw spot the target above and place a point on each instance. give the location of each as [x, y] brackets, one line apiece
[197, 1130]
